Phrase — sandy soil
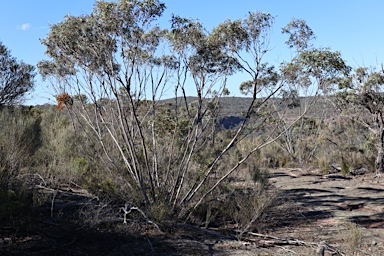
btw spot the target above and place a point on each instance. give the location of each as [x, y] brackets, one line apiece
[346, 211]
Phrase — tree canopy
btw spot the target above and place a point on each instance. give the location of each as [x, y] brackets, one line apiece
[122, 62]
[360, 98]
[16, 78]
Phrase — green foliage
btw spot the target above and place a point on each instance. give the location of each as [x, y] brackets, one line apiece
[273, 156]
[160, 212]
[16, 78]
[345, 169]
[352, 236]
[20, 137]
[245, 33]
[361, 97]
[74, 41]
[267, 79]
[80, 166]
[82, 98]
[323, 164]
[237, 206]
[15, 204]
[325, 67]
[259, 176]
[300, 34]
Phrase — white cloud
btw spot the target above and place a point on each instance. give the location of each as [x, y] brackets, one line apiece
[24, 26]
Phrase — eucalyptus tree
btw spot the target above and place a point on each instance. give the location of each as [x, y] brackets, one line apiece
[123, 65]
[16, 78]
[245, 43]
[311, 75]
[111, 55]
[360, 99]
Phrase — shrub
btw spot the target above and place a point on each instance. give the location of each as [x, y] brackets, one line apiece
[20, 137]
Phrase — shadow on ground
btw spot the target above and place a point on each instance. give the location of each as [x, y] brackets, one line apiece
[306, 197]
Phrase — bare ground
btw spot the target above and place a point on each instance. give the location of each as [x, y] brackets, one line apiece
[345, 211]
[343, 215]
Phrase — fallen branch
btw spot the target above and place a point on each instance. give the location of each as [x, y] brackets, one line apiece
[288, 250]
[53, 201]
[206, 231]
[64, 190]
[32, 175]
[277, 241]
[127, 210]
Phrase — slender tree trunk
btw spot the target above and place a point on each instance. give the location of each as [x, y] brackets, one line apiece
[379, 163]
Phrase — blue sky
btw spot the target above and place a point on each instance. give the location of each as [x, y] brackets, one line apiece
[353, 27]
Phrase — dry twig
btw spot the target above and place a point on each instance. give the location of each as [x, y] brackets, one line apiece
[269, 240]
[128, 209]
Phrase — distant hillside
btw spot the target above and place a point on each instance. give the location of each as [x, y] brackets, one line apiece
[233, 108]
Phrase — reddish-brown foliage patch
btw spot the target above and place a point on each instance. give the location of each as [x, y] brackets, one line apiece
[63, 99]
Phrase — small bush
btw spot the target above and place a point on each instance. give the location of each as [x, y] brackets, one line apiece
[16, 204]
[160, 211]
[351, 235]
[240, 204]
[323, 164]
[260, 176]
[345, 169]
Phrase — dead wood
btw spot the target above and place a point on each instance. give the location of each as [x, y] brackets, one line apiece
[128, 209]
[270, 241]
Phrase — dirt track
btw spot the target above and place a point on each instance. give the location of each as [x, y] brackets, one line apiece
[324, 207]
